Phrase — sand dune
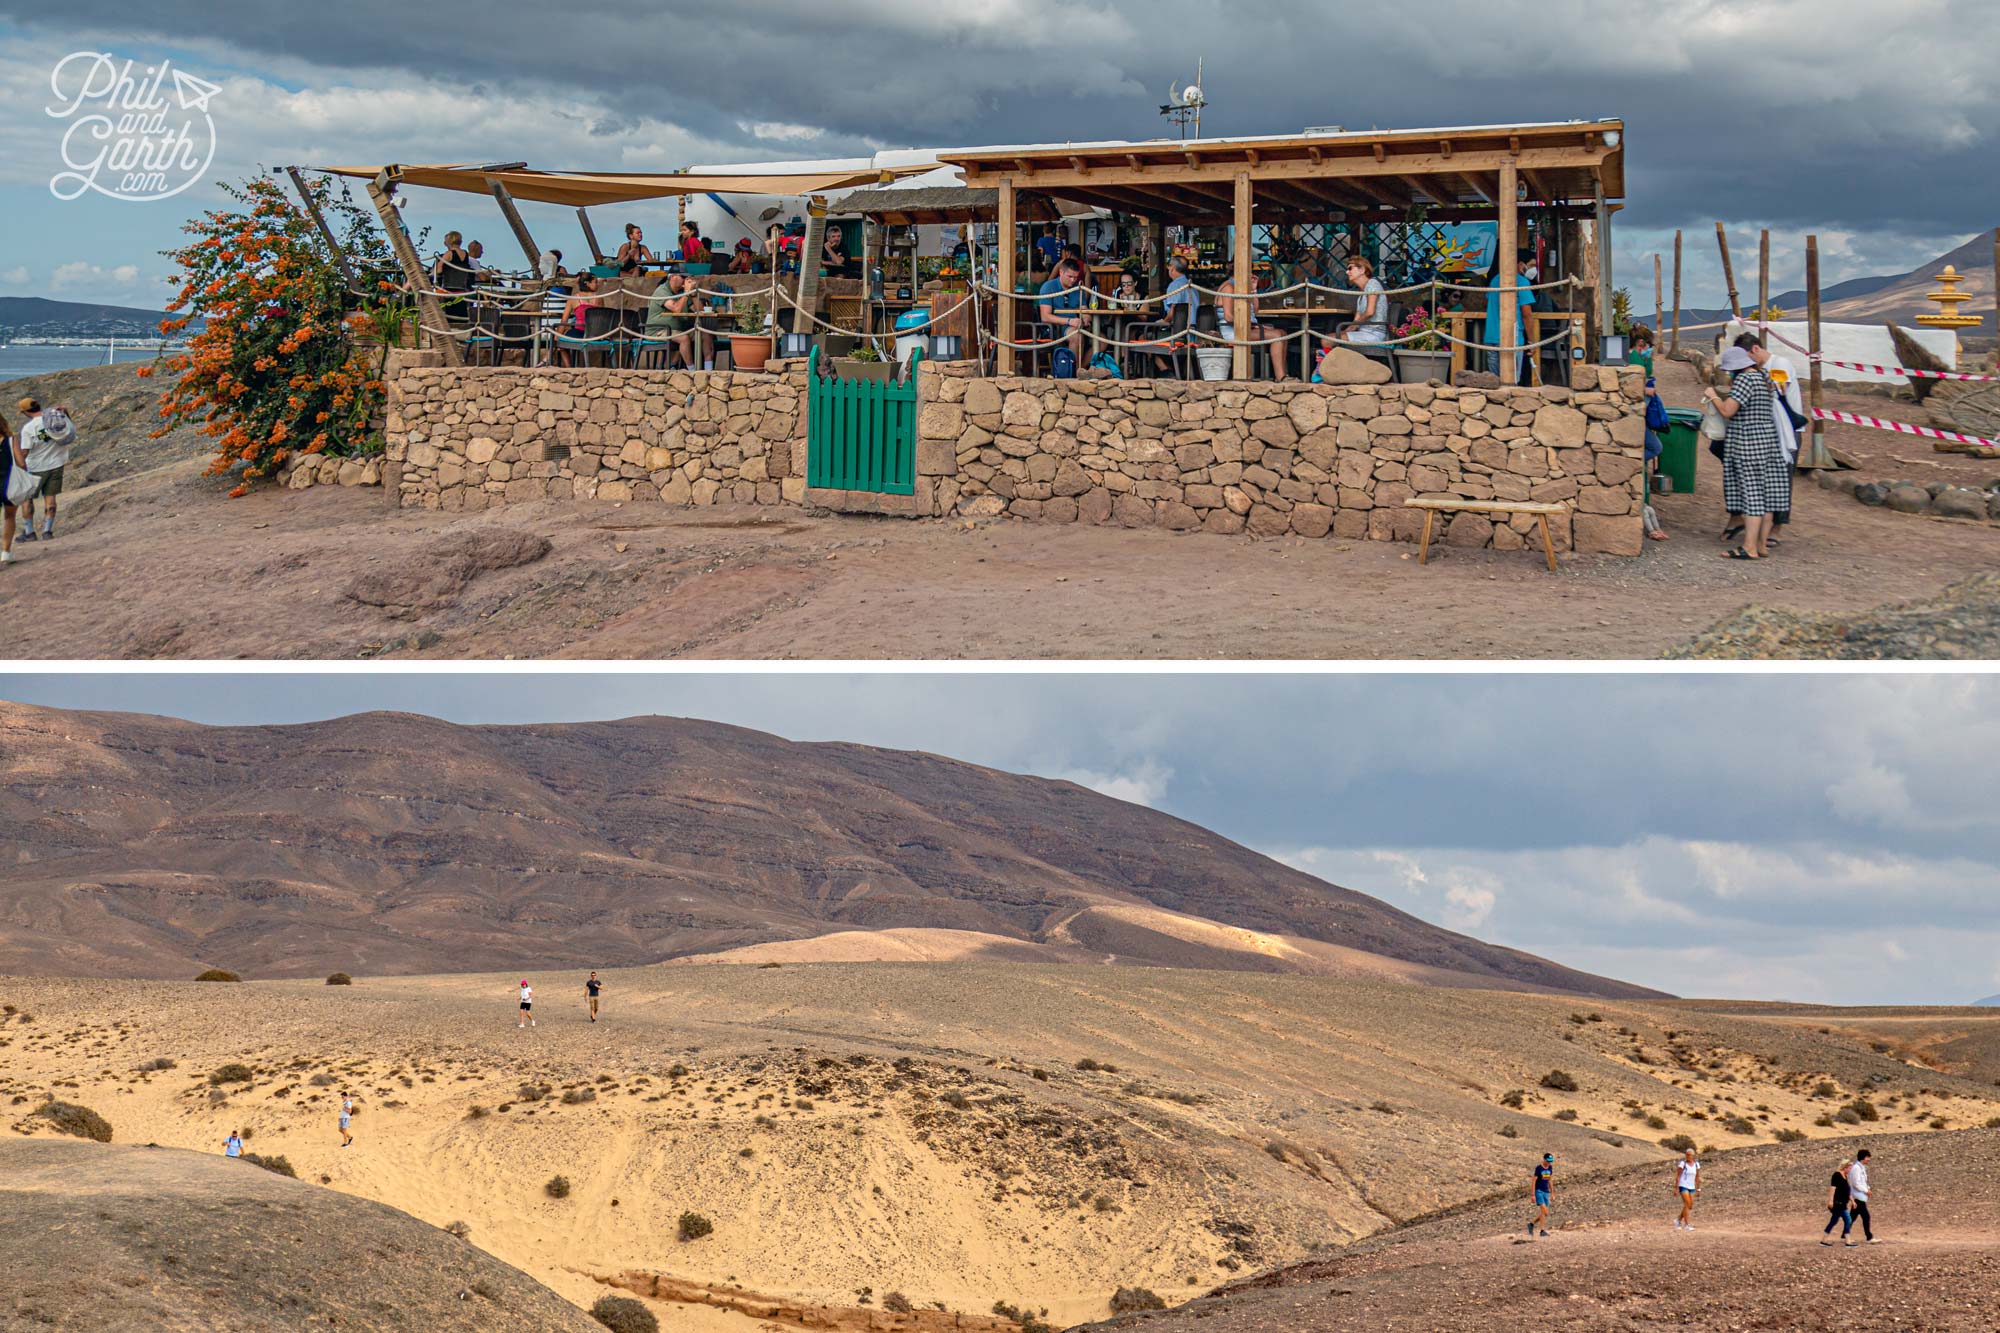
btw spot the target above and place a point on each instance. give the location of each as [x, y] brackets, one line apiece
[926, 1128]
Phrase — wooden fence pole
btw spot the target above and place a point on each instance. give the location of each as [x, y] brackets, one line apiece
[1813, 453]
[1763, 275]
[1728, 272]
[1674, 348]
[1659, 300]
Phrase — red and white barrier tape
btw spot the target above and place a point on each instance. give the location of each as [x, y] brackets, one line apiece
[1828, 414]
[1868, 369]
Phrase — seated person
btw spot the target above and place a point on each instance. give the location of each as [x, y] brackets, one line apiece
[670, 315]
[744, 260]
[583, 299]
[475, 254]
[1127, 291]
[834, 257]
[452, 270]
[1371, 307]
[1061, 301]
[1239, 320]
[694, 249]
[634, 252]
[1180, 292]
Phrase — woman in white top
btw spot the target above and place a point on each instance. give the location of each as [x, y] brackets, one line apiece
[1688, 1184]
[527, 1005]
[1371, 307]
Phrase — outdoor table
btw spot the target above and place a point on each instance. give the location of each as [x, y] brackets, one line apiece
[1118, 318]
[1531, 322]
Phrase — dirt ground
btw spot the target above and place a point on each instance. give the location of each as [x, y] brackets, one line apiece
[161, 564]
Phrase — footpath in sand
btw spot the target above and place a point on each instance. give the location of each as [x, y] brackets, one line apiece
[1613, 1262]
[963, 1135]
[161, 564]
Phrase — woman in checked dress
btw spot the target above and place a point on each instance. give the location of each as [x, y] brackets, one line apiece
[1756, 479]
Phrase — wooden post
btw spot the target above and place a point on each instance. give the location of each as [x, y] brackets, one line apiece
[429, 313]
[868, 234]
[1813, 453]
[807, 288]
[1728, 271]
[1659, 302]
[590, 237]
[1243, 282]
[1003, 277]
[1996, 281]
[1763, 276]
[1156, 237]
[326, 232]
[1606, 318]
[1674, 348]
[520, 228]
[1510, 273]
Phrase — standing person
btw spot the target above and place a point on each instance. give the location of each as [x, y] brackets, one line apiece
[1756, 483]
[1857, 1185]
[10, 458]
[1545, 1174]
[346, 1117]
[1687, 1185]
[452, 270]
[1524, 302]
[527, 1004]
[233, 1145]
[46, 436]
[1838, 1202]
[1049, 246]
[591, 988]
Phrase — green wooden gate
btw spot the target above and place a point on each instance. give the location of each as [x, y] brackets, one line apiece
[861, 435]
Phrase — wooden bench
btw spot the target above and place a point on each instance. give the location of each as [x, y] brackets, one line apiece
[1542, 510]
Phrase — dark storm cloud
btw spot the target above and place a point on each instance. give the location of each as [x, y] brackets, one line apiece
[1830, 113]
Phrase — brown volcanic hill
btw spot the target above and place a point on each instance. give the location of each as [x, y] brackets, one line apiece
[390, 843]
[116, 1238]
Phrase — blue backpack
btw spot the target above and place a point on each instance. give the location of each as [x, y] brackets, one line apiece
[1656, 411]
[1062, 364]
[1106, 361]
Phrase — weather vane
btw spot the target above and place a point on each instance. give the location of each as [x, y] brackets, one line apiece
[1184, 104]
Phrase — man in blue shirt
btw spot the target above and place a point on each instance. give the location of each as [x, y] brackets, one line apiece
[1049, 246]
[1545, 1172]
[1061, 300]
[233, 1145]
[1180, 291]
[1491, 336]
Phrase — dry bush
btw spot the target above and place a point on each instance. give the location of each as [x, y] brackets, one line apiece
[339, 979]
[154, 1066]
[557, 1188]
[1514, 1097]
[1565, 1114]
[1790, 1135]
[577, 1096]
[1864, 1109]
[1559, 1080]
[693, 1226]
[477, 1113]
[1125, 1300]
[957, 1100]
[275, 1164]
[231, 1073]
[462, 1230]
[530, 1092]
[1736, 1124]
[1382, 1107]
[896, 1302]
[622, 1314]
[1677, 1143]
[218, 974]
[322, 1080]
[1508, 1132]
[70, 1118]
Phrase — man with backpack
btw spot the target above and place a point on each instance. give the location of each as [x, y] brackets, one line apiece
[1060, 306]
[46, 436]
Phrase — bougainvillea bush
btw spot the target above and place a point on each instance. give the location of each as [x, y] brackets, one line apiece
[273, 371]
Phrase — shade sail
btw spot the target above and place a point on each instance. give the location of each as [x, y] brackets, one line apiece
[582, 189]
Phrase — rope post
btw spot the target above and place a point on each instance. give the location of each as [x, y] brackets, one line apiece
[1003, 279]
[1243, 282]
[1510, 273]
[1674, 349]
[431, 313]
[806, 293]
[1814, 453]
[520, 228]
[1728, 272]
[326, 232]
[1606, 309]
[590, 236]
[1659, 300]
[1763, 277]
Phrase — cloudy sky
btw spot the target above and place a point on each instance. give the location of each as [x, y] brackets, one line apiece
[1814, 837]
[1873, 125]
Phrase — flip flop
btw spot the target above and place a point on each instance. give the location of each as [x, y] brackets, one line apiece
[1736, 531]
[1740, 554]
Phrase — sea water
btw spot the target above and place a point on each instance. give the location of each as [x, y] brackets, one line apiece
[19, 361]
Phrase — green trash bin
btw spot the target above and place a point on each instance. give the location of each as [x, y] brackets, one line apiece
[1680, 445]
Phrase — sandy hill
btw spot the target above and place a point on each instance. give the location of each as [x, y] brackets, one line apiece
[394, 843]
[1896, 298]
[116, 413]
[1614, 1264]
[957, 1133]
[115, 1238]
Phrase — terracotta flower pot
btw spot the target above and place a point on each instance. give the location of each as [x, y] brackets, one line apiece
[749, 351]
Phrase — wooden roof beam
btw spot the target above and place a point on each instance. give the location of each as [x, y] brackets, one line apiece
[1329, 167]
[1473, 184]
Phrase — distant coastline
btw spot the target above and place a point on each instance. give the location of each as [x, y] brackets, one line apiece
[20, 360]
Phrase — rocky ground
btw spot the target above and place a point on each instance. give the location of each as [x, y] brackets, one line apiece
[121, 412]
[1961, 623]
[333, 573]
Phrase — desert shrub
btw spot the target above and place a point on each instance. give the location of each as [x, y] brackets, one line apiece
[896, 1302]
[1276, 1149]
[529, 1092]
[622, 1314]
[1678, 1143]
[1514, 1098]
[217, 974]
[1994, 1123]
[339, 979]
[770, 965]
[1565, 1114]
[1559, 1080]
[577, 1096]
[1864, 1109]
[477, 1113]
[694, 1226]
[1088, 1065]
[1789, 1135]
[1383, 1107]
[677, 1071]
[557, 1188]
[1040, 1075]
[1736, 1124]
[81, 1121]
[154, 1066]
[462, 1230]
[1125, 1300]
[1103, 1204]
[231, 1073]
[1508, 1132]
[802, 1103]
[957, 1100]
[273, 1163]
[746, 1152]
[1824, 1122]
[1656, 1122]
[1847, 1115]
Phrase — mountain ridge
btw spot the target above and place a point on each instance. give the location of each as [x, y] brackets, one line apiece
[397, 843]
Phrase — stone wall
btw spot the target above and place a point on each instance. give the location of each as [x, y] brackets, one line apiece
[1268, 458]
[472, 438]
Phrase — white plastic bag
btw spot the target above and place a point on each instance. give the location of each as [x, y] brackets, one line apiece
[1714, 426]
[22, 485]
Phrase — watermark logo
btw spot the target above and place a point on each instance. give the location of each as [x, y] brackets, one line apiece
[141, 135]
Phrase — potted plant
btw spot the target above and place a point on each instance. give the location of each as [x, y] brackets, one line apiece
[1424, 357]
[865, 363]
[750, 345]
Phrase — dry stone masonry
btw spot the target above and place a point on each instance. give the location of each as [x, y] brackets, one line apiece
[1335, 459]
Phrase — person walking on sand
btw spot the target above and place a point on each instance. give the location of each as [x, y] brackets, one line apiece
[1857, 1185]
[1545, 1173]
[527, 1005]
[10, 458]
[590, 989]
[1838, 1199]
[1687, 1185]
[233, 1145]
[46, 437]
[346, 1118]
